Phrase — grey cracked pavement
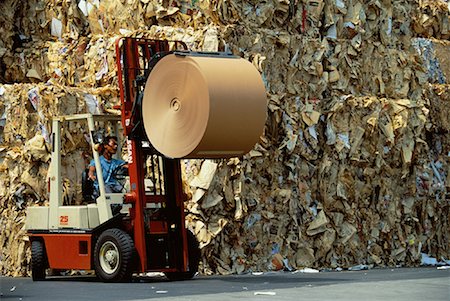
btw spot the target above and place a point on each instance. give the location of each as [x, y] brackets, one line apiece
[409, 284]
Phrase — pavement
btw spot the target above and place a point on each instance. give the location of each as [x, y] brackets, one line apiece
[408, 284]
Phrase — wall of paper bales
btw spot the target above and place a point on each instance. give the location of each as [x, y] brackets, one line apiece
[353, 167]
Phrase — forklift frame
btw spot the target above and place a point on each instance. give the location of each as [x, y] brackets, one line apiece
[151, 223]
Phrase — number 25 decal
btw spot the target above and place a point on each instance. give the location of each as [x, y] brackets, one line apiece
[64, 219]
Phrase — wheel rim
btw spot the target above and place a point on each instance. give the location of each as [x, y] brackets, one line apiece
[109, 257]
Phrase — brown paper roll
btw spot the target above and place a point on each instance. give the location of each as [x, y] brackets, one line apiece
[204, 107]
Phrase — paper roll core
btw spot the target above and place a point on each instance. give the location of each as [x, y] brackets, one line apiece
[204, 107]
[175, 104]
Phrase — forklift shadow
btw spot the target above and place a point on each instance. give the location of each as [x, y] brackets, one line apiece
[76, 278]
[215, 284]
[157, 277]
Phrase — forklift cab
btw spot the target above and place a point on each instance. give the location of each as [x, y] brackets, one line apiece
[96, 211]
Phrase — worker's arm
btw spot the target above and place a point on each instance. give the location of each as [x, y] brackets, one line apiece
[123, 164]
[91, 173]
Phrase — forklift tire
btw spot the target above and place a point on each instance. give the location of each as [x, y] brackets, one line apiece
[113, 256]
[38, 260]
[194, 260]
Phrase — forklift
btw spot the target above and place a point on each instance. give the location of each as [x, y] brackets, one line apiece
[139, 230]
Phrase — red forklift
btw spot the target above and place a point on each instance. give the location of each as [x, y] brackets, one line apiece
[139, 230]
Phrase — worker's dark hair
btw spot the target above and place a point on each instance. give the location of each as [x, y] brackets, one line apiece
[108, 139]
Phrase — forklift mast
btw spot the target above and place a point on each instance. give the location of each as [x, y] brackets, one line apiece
[157, 220]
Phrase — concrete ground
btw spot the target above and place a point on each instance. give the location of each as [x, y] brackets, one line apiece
[376, 284]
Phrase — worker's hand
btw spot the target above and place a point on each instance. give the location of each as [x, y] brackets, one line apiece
[91, 176]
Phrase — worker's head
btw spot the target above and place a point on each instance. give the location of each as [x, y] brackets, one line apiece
[110, 144]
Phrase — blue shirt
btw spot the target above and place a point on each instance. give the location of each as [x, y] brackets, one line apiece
[108, 169]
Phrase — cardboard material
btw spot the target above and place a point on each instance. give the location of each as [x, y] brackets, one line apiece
[352, 169]
[204, 107]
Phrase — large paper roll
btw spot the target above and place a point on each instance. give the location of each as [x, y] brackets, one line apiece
[204, 107]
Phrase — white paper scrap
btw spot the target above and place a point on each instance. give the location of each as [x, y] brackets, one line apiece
[82, 5]
[56, 28]
[265, 293]
[257, 273]
[306, 270]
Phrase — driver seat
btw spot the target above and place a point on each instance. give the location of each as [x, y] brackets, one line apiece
[87, 187]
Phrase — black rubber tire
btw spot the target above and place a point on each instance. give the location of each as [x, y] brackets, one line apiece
[113, 256]
[194, 260]
[38, 260]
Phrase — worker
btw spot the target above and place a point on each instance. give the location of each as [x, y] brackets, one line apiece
[110, 166]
